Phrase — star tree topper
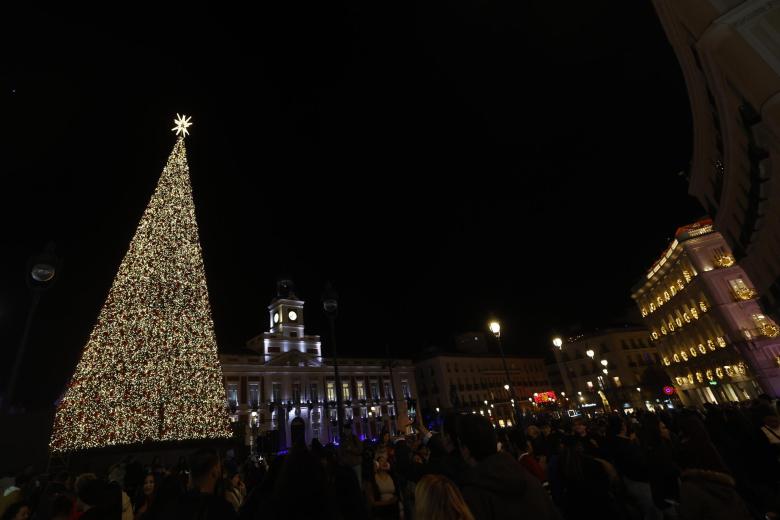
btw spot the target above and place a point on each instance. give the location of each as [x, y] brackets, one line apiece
[182, 123]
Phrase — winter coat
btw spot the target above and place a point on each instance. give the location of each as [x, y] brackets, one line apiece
[711, 495]
[499, 487]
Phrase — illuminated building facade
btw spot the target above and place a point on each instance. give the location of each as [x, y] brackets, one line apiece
[605, 368]
[702, 311]
[730, 57]
[447, 381]
[282, 376]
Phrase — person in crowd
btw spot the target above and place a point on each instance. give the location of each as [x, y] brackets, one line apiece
[145, 498]
[437, 498]
[201, 501]
[630, 461]
[350, 500]
[381, 492]
[298, 470]
[496, 485]
[17, 511]
[590, 445]
[707, 489]
[522, 450]
[14, 493]
[61, 508]
[235, 491]
[351, 452]
[662, 470]
[586, 486]
[97, 498]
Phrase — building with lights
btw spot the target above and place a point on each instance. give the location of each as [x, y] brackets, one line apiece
[705, 319]
[476, 382]
[730, 58]
[613, 368]
[282, 376]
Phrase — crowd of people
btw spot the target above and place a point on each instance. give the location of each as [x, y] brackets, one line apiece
[720, 461]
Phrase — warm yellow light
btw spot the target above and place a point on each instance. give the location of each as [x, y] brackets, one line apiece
[182, 124]
[150, 371]
[495, 327]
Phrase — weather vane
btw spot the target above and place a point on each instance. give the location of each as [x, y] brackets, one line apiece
[182, 123]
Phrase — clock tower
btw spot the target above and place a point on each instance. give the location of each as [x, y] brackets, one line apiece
[286, 333]
[286, 311]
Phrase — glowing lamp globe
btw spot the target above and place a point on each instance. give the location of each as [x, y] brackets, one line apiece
[495, 327]
[42, 272]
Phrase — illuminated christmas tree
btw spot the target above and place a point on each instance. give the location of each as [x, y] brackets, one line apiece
[150, 371]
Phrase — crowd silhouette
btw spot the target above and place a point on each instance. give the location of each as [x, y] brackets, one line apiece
[718, 461]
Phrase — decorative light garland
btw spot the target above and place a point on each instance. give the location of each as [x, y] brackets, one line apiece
[150, 369]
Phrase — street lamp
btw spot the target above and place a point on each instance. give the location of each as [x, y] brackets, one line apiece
[638, 389]
[495, 328]
[41, 270]
[604, 362]
[330, 304]
[557, 342]
[590, 353]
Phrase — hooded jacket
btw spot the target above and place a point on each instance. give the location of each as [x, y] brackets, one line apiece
[711, 495]
[499, 487]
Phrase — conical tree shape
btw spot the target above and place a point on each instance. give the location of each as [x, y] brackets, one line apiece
[150, 370]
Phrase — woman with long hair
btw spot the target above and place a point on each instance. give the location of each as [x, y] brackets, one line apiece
[145, 497]
[437, 498]
[381, 492]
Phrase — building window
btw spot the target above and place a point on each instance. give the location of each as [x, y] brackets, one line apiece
[617, 381]
[314, 394]
[254, 394]
[276, 392]
[232, 393]
[405, 389]
[388, 390]
[331, 390]
[741, 290]
[345, 392]
[374, 390]
[361, 390]
[296, 392]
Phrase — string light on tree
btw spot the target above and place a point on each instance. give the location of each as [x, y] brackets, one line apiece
[149, 370]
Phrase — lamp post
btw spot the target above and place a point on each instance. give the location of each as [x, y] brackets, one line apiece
[557, 342]
[495, 328]
[41, 270]
[330, 304]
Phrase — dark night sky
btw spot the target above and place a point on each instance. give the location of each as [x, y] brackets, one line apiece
[442, 162]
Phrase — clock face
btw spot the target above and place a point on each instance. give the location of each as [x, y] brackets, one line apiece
[276, 317]
[292, 315]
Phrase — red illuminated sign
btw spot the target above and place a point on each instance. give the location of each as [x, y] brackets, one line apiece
[668, 390]
[545, 397]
